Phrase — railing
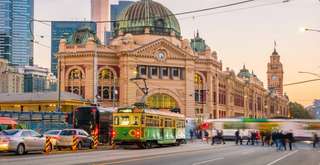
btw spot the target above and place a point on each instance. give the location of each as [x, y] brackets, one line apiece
[39, 121]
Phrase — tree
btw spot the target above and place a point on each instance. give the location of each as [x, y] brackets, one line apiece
[297, 111]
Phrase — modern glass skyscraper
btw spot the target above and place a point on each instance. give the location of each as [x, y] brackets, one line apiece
[16, 31]
[63, 29]
[116, 10]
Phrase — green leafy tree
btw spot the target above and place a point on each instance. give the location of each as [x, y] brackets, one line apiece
[297, 111]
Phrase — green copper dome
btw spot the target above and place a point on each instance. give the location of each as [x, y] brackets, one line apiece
[147, 14]
[81, 36]
[198, 44]
[244, 73]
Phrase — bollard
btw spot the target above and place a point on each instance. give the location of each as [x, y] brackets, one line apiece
[74, 146]
[48, 146]
[95, 141]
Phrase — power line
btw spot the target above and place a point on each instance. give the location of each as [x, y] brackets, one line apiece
[170, 15]
[301, 82]
[232, 10]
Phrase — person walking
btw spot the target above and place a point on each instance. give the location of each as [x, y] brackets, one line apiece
[315, 140]
[214, 135]
[262, 137]
[267, 137]
[191, 135]
[241, 136]
[253, 137]
[248, 137]
[206, 136]
[290, 139]
[221, 139]
[237, 136]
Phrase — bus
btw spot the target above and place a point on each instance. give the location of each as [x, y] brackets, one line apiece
[302, 129]
[147, 128]
[94, 120]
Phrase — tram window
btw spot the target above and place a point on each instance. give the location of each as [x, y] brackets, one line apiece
[124, 120]
[142, 119]
[161, 122]
[116, 120]
[135, 120]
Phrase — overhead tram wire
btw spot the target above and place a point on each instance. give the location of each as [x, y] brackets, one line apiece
[170, 15]
[232, 10]
[301, 82]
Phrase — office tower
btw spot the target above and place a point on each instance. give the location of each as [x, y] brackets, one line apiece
[100, 13]
[16, 29]
[60, 29]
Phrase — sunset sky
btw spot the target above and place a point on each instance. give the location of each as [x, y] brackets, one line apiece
[241, 35]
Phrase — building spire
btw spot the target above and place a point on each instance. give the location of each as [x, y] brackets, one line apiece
[275, 48]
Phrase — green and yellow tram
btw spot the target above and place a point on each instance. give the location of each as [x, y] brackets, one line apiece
[147, 128]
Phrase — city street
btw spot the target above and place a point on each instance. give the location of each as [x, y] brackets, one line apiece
[189, 154]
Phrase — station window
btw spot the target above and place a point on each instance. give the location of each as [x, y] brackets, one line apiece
[143, 70]
[175, 72]
[165, 72]
[154, 71]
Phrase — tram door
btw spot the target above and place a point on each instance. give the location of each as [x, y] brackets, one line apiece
[161, 129]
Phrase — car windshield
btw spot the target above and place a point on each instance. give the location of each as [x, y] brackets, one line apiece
[10, 132]
[68, 132]
[52, 132]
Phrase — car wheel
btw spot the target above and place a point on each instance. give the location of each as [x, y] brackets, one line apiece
[20, 149]
[79, 146]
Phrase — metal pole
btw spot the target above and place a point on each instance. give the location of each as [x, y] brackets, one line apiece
[95, 68]
[59, 85]
[113, 91]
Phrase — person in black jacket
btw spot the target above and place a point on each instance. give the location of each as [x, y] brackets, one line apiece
[237, 136]
[290, 138]
[315, 139]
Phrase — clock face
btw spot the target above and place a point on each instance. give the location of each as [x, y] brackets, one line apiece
[161, 56]
[274, 77]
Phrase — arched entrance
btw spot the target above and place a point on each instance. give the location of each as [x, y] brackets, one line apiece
[163, 101]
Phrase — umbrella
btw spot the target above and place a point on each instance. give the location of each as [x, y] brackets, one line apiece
[7, 121]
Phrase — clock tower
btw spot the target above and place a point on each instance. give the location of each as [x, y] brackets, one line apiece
[275, 73]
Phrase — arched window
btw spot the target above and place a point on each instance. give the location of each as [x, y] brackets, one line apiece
[199, 93]
[75, 74]
[198, 80]
[162, 101]
[106, 74]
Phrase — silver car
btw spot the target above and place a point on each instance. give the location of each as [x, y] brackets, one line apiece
[21, 141]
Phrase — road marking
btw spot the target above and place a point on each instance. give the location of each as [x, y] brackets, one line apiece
[153, 157]
[211, 160]
[282, 157]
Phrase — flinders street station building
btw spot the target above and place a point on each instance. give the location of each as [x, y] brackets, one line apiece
[181, 74]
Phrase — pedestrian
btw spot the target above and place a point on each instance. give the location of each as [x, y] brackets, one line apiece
[290, 139]
[284, 140]
[262, 137]
[315, 139]
[237, 136]
[274, 135]
[253, 137]
[213, 137]
[258, 137]
[191, 135]
[267, 138]
[221, 139]
[206, 136]
[241, 136]
[249, 137]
